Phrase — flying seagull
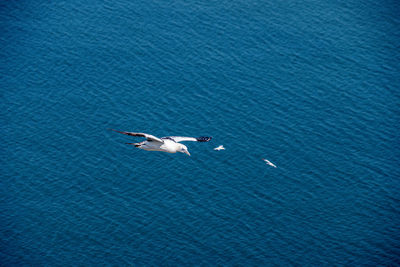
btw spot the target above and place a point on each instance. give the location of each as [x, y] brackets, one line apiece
[221, 147]
[269, 163]
[168, 144]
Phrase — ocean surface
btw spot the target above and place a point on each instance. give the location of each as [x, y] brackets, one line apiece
[312, 86]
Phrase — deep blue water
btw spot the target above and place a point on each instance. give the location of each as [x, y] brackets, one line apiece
[313, 86]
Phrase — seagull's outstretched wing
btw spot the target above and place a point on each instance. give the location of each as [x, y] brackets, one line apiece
[149, 137]
[269, 163]
[183, 138]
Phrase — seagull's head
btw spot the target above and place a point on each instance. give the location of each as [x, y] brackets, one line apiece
[183, 149]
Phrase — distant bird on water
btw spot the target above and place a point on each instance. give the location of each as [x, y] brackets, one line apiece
[169, 144]
[221, 147]
[269, 163]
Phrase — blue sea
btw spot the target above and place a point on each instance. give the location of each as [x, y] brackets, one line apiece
[312, 86]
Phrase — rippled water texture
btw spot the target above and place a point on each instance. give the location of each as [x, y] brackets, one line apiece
[312, 86]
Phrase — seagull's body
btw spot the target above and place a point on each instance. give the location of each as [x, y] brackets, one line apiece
[269, 163]
[169, 144]
[221, 147]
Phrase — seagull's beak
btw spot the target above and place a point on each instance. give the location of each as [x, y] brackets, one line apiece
[187, 152]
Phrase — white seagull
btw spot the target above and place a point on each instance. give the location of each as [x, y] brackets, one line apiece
[269, 163]
[169, 144]
[221, 147]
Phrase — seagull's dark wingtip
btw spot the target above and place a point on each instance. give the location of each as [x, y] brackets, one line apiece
[116, 131]
[204, 138]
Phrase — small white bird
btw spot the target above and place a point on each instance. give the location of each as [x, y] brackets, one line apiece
[169, 144]
[221, 147]
[269, 163]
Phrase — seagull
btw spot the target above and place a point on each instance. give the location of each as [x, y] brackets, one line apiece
[269, 163]
[221, 147]
[169, 144]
